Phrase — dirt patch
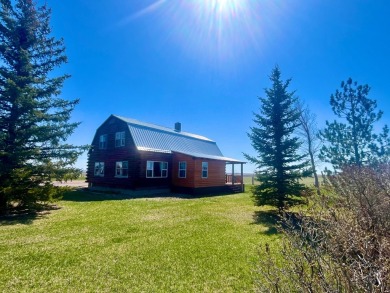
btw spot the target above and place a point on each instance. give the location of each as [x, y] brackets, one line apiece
[73, 183]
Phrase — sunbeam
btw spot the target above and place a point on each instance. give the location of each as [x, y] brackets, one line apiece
[219, 29]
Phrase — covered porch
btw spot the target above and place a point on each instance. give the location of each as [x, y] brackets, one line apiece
[235, 178]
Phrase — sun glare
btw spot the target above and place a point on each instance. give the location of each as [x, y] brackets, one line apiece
[218, 28]
[221, 12]
[223, 6]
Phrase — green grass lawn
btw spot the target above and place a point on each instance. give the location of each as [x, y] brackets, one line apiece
[98, 243]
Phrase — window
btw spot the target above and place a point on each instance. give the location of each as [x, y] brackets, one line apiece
[99, 169]
[182, 169]
[205, 169]
[103, 141]
[119, 139]
[156, 169]
[121, 169]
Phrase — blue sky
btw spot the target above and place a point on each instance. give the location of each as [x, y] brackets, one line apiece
[204, 63]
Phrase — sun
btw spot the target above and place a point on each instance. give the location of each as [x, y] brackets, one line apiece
[219, 27]
[224, 6]
[223, 29]
[221, 12]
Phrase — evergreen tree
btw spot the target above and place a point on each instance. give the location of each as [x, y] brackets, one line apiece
[279, 165]
[354, 142]
[34, 120]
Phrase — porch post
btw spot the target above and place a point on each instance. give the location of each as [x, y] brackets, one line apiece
[232, 173]
[242, 177]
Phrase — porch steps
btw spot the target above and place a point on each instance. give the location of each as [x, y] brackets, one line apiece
[234, 188]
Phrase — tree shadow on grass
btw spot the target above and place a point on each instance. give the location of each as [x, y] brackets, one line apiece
[276, 222]
[88, 195]
[84, 195]
[26, 216]
[270, 219]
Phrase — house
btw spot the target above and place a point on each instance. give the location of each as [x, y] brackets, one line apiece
[130, 154]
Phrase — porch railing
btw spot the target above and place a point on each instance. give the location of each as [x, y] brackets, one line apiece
[237, 179]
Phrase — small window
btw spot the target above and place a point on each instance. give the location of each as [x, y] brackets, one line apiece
[122, 169]
[99, 169]
[119, 139]
[182, 169]
[156, 169]
[103, 141]
[205, 169]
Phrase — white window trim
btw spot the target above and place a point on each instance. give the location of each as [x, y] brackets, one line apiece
[185, 169]
[101, 145]
[121, 168]
[166, 174]
[207, 170]
[101, 167]
[120, 136]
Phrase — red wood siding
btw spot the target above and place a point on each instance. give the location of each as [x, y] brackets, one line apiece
[189, 181]
[216, 172]
[137, 162]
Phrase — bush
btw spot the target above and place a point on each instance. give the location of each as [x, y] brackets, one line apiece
[341, 243]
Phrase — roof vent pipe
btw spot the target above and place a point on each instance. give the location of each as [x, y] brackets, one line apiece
[177, 126]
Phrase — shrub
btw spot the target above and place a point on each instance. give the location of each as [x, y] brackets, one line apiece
[341, 243]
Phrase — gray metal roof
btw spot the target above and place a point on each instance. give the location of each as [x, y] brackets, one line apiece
[204, 156]
[150, 137]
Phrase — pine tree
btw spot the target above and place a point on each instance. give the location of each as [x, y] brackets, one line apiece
[34, 120]
[354, 140]
[279, 166]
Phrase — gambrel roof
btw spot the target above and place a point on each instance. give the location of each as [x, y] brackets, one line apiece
[150, 137]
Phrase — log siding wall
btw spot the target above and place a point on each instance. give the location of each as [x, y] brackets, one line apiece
[111, 155]
[142, 180]
[137, 164]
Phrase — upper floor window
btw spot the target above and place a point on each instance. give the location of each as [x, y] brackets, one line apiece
[205, 169]
[119, 139]
[182, 169]
[121, 169]
[103, 141]
[156, 169]
[99, 169]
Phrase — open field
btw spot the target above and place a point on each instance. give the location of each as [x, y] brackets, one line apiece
[309, 181]
[99, 243]
[80, 182]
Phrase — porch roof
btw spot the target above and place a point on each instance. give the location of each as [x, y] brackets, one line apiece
[219, 158]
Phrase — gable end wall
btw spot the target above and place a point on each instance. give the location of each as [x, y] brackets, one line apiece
[111, 155]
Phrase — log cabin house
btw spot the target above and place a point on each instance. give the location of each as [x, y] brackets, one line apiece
[130, 154]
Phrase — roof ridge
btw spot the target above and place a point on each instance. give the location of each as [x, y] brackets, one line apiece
[162, 128]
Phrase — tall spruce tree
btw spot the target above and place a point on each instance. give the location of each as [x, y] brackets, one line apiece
[34, 120]
[279, 166]
[353, 140]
